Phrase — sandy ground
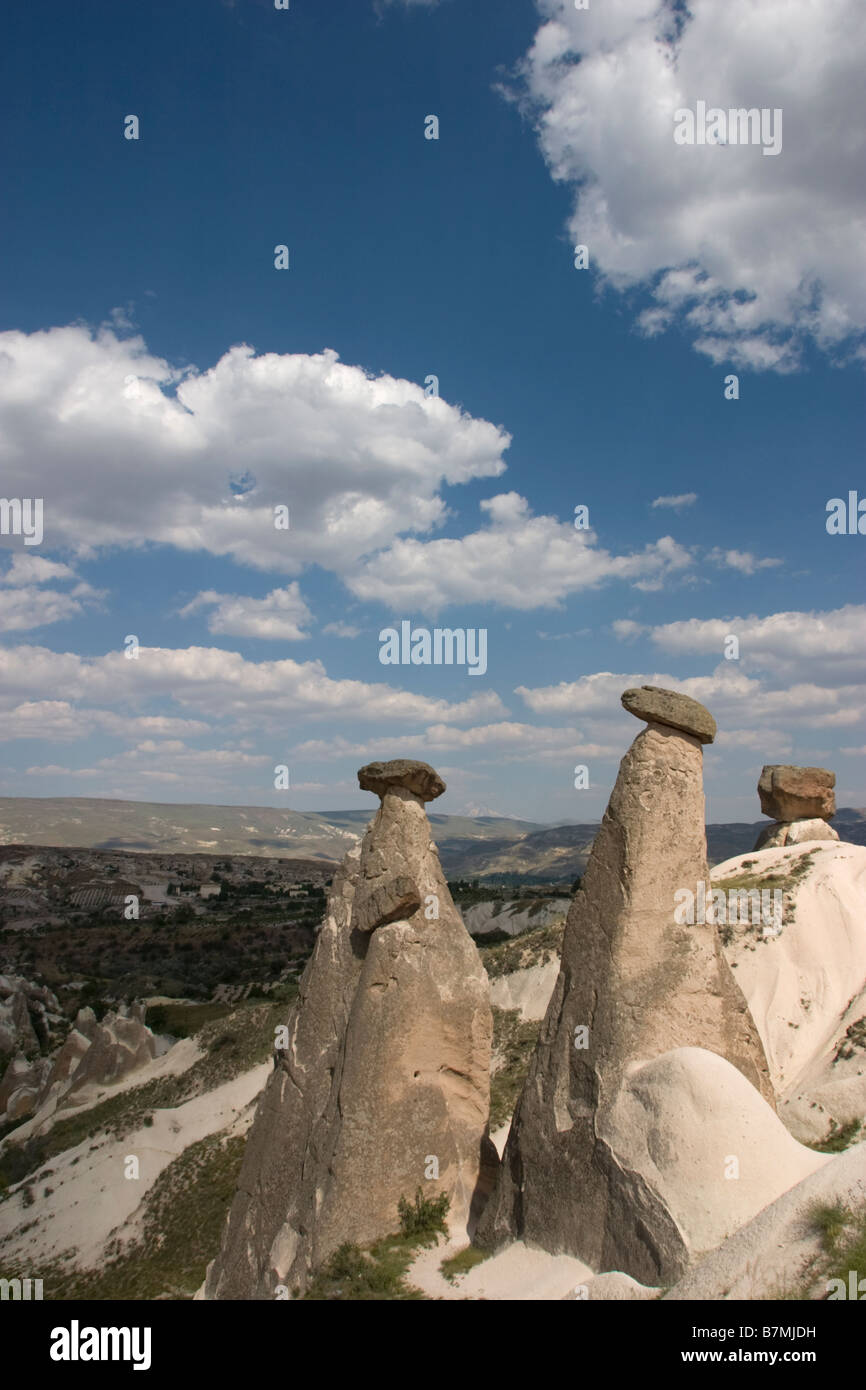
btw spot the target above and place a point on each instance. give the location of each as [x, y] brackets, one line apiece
[517, 1273]
[527, 990]
[90, 1197]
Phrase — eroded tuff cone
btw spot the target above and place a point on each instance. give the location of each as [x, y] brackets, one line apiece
[640, 985]
[659, 706]
[797, 793]
[387, 1064]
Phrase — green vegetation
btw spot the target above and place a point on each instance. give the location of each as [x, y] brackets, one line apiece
[462, 1262]
[784, 877]
[839, 1138]
[363, 1275]
[854, 1040]
[842, 1232]
[828, 1220]
[179, 1238]
[513, 1044]
[378, 1271]
[424, 1220]
[530, 948]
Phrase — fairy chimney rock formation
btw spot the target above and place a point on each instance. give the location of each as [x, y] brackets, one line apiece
[384, 1084]
[634, 984]
[801, 800]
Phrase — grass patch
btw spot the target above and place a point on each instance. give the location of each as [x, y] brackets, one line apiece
[462, 1262]
[379, 1271]
[183, 1221]
[425, 1217]
[784, 877]
[840, 1137]
[519, 952]
[513, 1044]
[828, 1220]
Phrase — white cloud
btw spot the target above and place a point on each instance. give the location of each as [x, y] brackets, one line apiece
[23, 608]
[754, 255]
[280, 615]
[223, 685]
[793, 645]
[24, 605]
[517, 559]
[126, 450]
[736, 699]
[677, 502]
[341, 629]
[59, 720]
[30, 569]
[742, 560]
[508, 741]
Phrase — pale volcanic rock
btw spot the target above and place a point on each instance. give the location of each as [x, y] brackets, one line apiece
[796, 832]
[659, 706]
[791, 793]
[386, 1069]
[642, 986]
[121, 1044]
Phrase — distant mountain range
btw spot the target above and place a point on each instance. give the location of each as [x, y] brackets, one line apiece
[482, 847]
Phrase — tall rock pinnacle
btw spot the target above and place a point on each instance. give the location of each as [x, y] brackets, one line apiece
[633, 985]
[384, 1085]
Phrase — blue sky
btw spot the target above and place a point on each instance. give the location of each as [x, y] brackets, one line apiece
[163, 387]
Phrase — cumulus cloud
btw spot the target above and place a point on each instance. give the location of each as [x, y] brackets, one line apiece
[736, 698]
[754, 256]
[517, 559]
[24, 604]
[222, 685]
[35, 569]
[794, 645]
[280, 615]
[341, 629]
[126, 450]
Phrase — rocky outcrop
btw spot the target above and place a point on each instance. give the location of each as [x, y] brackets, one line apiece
[794, 833]
[29, 1016]
[801, 800]
[634, 985]
[384, 1084]
[92, 1054]
[120, 1044]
